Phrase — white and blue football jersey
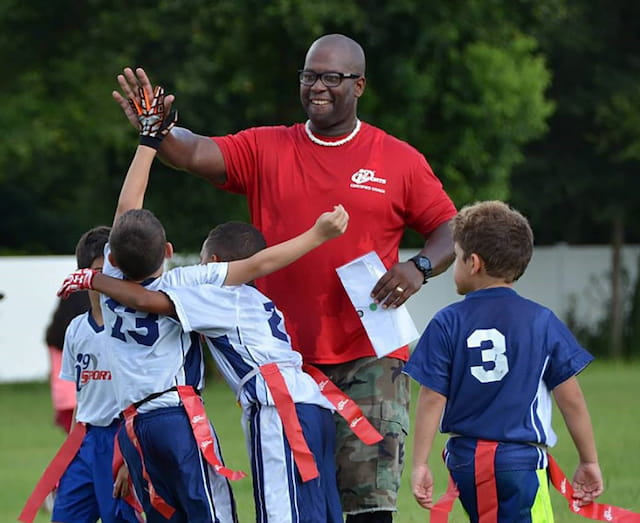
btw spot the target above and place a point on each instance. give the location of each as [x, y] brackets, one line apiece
[150, 353]
[496, 356]
[244, 330]
[85, 361]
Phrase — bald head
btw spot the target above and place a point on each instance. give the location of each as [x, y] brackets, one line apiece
[342, 48]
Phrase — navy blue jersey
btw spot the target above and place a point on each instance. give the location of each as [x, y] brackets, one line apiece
[496, 356]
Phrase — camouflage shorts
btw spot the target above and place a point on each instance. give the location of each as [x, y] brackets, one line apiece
[369, 475]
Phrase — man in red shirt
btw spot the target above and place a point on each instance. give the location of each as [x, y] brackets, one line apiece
[290, 174]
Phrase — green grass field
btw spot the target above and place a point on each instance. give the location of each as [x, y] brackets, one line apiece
[28, 440]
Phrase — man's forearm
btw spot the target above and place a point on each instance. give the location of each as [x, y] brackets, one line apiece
[439, 248]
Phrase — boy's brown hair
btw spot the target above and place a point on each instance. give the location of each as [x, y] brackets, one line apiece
[90, 246]
[233, 241]
[137, 244]
[498, 234]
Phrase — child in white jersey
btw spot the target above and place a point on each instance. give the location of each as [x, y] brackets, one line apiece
[246, 335]
[86, 490]
[155, 355]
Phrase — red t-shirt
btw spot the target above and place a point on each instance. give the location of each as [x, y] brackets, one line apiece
[384, 184]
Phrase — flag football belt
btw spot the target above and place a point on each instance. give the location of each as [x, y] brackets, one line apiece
[131, 498]
[486, 493]
[53, 472]
[154, 395]
[58, 466]
[286, 408]
[345, 406]
[201, 429]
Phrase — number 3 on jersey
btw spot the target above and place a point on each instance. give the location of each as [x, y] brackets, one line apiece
[495, 353]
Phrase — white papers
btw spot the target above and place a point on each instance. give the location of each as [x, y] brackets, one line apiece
[388, 329]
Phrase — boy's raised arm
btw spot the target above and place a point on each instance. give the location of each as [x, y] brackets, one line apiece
[135, 182]
[153, 128]
[328, 225]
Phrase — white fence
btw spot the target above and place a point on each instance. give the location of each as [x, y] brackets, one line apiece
[560, 277]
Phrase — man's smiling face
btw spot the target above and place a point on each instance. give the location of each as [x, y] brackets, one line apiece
[332, 110]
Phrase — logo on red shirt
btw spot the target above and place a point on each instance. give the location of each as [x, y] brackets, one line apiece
[363, 179]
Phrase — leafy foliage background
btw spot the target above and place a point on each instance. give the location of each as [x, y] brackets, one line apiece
[464, 82]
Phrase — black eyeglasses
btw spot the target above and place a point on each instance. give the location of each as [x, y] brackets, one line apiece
[329, 79]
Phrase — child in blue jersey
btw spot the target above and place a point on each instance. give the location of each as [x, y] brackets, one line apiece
[86, 490]
[487, 367]
[156, 357]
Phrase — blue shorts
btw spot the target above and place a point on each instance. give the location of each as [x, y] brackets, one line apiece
[85, 490]
[523, 495]
[177, 469]
[280, 494]
[522, 487]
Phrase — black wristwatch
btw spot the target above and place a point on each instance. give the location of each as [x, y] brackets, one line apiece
[423, 264]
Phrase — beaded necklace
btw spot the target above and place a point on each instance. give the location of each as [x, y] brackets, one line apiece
[337, 143]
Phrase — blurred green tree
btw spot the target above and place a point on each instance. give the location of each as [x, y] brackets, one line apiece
[464, 82]
[584, 171]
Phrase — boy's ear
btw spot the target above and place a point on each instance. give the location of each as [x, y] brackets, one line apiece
[168, 250]
[210, 259]
[476, 263]
[112, 260]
